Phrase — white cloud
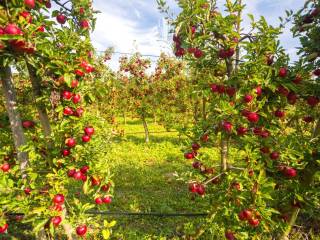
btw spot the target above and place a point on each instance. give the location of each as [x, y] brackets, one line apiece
[128, 28]
[136, 25]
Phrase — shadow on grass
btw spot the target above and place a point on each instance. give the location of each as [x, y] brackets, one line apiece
[140, 139]
[153, 188]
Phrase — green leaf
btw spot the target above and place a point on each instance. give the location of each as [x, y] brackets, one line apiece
[39, 225]
[106, 234]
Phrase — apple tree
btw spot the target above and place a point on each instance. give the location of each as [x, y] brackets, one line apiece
[55, 170]
[262, 112]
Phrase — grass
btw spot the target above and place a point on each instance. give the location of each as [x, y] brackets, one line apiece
[145, 176]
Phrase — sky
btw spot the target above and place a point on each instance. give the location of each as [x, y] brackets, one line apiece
[137, 25]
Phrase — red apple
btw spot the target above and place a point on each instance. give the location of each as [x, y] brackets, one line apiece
[56, 221]
[198, 53]
[48, 4]
[193, 187]
[70, 142]
[254, 222]
[308, 119]
[179, 52]
[27, 191]
[195, 146]
[5, 167]
[191, 50]
[248, 98]
[196, 164]
[89, 131]
[81, 10]
[61, 18]
[30, 3]
[236, 186]
[41, 28]
[265, 150]
[253, 117]
[214, 88]
[292, 98]
[231, 91]
[66, 95]
[274, 155]
[81, 230]
[193, 29]
[313, 101]
[107, 199]
[222, 53]
[259, 90]
[205, 137]
[85, 138]
[247, 214]
[98, 201]
[28, 124]
[241, 216]
[71, 172]
[290, 172]
[189, 155]
[282, 90]
[106, 187]
[4, 228]
[230, 52]
[78, 175]
[74, 83]
[26, 15]
[227, 126]
[297, 79]
[84, 24]
[67, 111]
[242, 131]
[283, 72]
[84, 177]
[84, 169]
[12, 29]
[79, 73]
[201, 189]
[58, 199]
[317, 72]
[79, 112]
[76, 98]
[229, 235]
[95, 181]
[221, 89]
[65, 152]
[280, 114]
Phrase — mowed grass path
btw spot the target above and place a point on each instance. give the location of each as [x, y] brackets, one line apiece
[145, 177]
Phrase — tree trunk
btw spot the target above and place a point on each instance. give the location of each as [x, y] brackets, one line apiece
[14, 117]
[146, 130]
[36, 90]
[307, 178]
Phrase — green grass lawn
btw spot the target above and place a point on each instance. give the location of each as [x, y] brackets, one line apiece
[146, 180]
